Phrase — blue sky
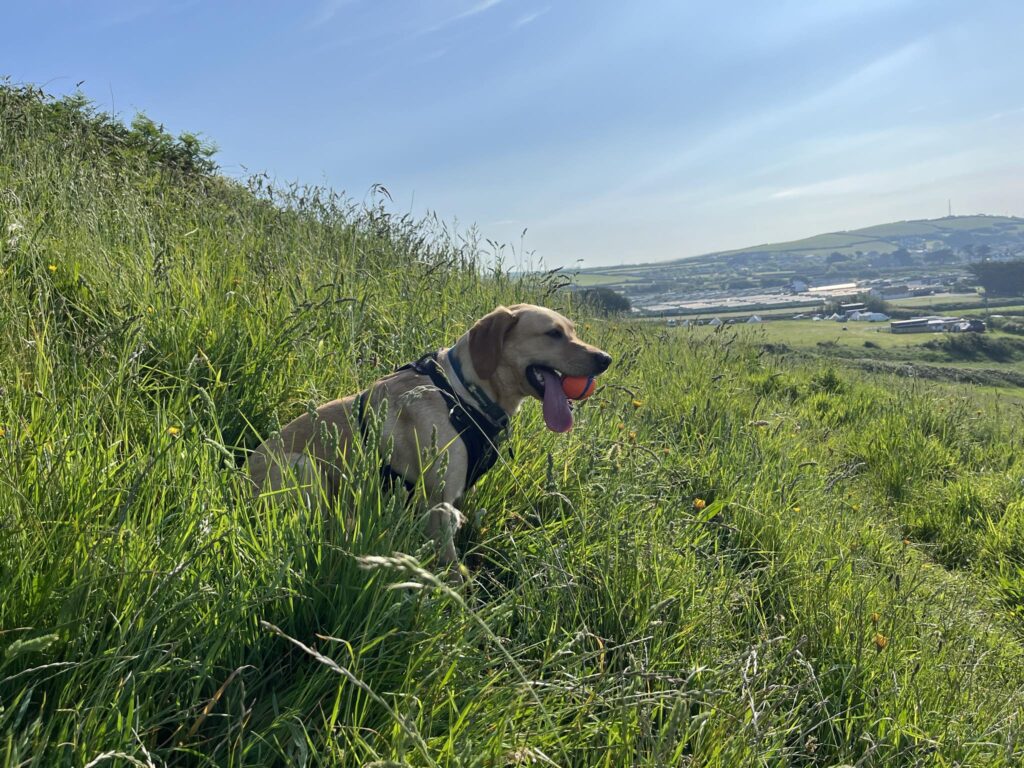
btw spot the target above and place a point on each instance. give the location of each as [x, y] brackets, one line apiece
[611, 131]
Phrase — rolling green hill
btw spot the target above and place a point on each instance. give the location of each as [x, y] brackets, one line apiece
[734, 559]
[899, 251]
[996, 231]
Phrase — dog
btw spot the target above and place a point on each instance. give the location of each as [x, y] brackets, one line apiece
[457, 400]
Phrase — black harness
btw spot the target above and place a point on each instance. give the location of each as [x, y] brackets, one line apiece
[480, 432]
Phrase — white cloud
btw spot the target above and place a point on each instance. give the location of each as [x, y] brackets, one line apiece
[328, 10]
[480, 7]
[530, 17]
[474, 10]
[838, 186]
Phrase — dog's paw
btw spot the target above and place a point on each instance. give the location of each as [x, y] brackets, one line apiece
[445, 519]
[443, 522]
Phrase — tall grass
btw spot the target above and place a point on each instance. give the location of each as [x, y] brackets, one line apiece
[730, 561]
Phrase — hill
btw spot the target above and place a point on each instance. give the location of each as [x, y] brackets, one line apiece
[936, 251]
[997, 232]
[734, 559]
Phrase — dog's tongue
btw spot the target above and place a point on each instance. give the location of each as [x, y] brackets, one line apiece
[557, 414]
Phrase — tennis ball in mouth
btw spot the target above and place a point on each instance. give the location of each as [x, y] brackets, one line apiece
[578, 387]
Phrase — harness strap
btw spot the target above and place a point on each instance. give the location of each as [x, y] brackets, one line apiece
[388, 476]
[480, 433]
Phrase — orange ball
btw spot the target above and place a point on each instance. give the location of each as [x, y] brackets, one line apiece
[578, 387]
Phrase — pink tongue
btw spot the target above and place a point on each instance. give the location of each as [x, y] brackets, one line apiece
[557, 414]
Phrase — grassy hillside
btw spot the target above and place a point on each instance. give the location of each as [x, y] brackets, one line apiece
[888, 237]
[733, 560]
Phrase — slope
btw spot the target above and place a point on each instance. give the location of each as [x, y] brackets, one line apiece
[730, 561]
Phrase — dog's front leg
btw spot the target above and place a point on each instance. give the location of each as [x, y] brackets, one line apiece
[442, 523]
[446, 485]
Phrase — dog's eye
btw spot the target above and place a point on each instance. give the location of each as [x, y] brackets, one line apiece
[555, 333]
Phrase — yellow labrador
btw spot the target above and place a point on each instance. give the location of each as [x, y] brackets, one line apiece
[463, 396]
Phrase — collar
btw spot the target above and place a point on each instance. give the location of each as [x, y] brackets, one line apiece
[494, 412]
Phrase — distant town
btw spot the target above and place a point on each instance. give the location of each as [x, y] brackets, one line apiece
[946, 259]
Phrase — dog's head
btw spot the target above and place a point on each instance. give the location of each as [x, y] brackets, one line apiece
[523, 351]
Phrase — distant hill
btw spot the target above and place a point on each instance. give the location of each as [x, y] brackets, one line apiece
[950, 231]
[903, 250]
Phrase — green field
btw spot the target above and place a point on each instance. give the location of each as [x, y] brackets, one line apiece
[965, 300]
[879, 238]
[839, 242]
[805, 334]
[738, 557]
[962, 223]
[995, 351]
[969, 304]
[589, 280]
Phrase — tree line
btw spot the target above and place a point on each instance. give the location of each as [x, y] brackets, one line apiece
[1000, 278]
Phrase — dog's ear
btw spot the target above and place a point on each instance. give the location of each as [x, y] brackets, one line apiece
[486, 339]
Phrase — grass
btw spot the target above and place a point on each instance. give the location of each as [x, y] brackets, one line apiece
[961, 301]
[968, 305]
[589, 280]
[735, 559]
[901, 229]
[877, 237]
[810, 335]
[874, 340]
[842, 242]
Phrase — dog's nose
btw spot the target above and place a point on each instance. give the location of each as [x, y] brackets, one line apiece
[602, 360]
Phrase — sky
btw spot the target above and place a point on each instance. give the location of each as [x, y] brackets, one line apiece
[609, 131]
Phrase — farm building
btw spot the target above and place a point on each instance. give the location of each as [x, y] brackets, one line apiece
[932, 324]
[887, 292]
[836, 290]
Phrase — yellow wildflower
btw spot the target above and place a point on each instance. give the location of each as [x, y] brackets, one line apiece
[881, 641]
[173, 431]
[699, 504]
[875, 617]
[52, 267]
[638, 403]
